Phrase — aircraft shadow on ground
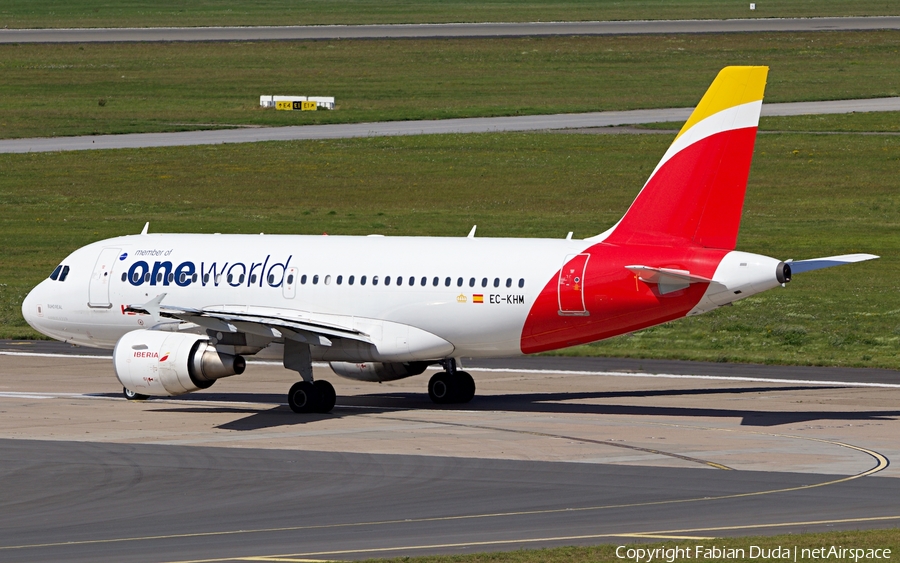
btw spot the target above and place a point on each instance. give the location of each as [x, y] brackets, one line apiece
[545, 403]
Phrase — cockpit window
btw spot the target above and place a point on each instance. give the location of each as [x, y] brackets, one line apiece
[64, 273]
[55, 273]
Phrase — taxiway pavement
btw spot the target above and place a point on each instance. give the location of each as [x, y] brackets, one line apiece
[549, 453]
[444, 30]
[423, 127]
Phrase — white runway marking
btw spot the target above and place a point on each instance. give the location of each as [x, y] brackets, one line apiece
[558, 372]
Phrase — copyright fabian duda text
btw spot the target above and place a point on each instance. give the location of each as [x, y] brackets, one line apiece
[778, 553]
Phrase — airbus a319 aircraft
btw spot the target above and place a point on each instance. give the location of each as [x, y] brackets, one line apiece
[182, 310]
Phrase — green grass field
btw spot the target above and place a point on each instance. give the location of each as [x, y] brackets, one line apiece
[809, 195]
[54, 90]
[871, 539]
[146, 13]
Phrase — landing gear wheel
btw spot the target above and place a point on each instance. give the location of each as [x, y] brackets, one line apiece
[326, 390]
[440, 388]
[132, 396]
[465, 387]
[304, 397]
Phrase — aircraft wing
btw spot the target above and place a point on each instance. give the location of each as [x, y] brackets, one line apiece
[801, 266]
[262, 321]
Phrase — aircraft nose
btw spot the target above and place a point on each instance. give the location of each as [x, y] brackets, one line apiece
[33, 307]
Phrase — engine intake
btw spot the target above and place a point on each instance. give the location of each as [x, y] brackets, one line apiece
[165, 364]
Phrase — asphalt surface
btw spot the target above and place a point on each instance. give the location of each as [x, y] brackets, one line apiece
[448, 30]
[118, 502]
[427, 127]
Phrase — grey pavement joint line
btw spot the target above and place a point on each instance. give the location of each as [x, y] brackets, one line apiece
[572, 438]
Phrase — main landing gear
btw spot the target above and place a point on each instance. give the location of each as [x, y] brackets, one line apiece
[306, 396]
[451, 386]
[317, 396]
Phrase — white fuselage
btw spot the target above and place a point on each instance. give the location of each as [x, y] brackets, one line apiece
[254, 270]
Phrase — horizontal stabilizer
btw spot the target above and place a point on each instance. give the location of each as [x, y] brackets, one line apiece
[668, 279]
[801, 266]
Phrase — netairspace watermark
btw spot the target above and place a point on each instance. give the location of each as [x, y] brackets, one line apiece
[778, 553]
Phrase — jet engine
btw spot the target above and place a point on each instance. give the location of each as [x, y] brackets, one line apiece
[150, 362]
[377, 371]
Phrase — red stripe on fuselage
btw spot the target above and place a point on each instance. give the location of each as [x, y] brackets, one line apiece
[616, 301]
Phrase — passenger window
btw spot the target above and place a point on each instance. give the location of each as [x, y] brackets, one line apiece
[194, 278]
[351, 279]
[412, 280]
[241, 278]
[290, 279]
[521, 282]
[435, 281]
[229, 278]
[303, 279]
[387, 280]
[271, 279]
[147, 277]
[362, 280]
[316, 279]
[496, 282]
[136, 277]
[446, 282]
[159, 277]
[339, 280]
[55, 273]
[471, 282]
[508, 282]
[205, 278]
[459, 282]
[328, 279]
[182, 277]
[124, 276]
[399, 280]
[253, 278]
[172, 278]
[424, 281]
[375, 280]
[483, 282]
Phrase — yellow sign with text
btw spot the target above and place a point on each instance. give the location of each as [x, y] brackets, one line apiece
[284, 105]
[308, 106]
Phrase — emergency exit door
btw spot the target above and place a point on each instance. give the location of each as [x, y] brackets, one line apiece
[571, 285]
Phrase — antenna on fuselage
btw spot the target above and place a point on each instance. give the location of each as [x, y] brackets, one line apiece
[146, 228]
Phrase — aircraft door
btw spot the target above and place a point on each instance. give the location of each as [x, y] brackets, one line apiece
[289, 285]
[571, 285]
[101, 279]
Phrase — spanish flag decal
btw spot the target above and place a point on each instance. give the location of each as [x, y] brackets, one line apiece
[478, 298]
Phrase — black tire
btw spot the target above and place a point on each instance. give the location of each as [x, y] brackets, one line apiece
[132, 396]
[326, 390]
[465, 389]
[304, 397]
[441, 389]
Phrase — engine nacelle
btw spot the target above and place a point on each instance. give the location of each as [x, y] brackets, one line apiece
[377, 371]
[162, 364]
